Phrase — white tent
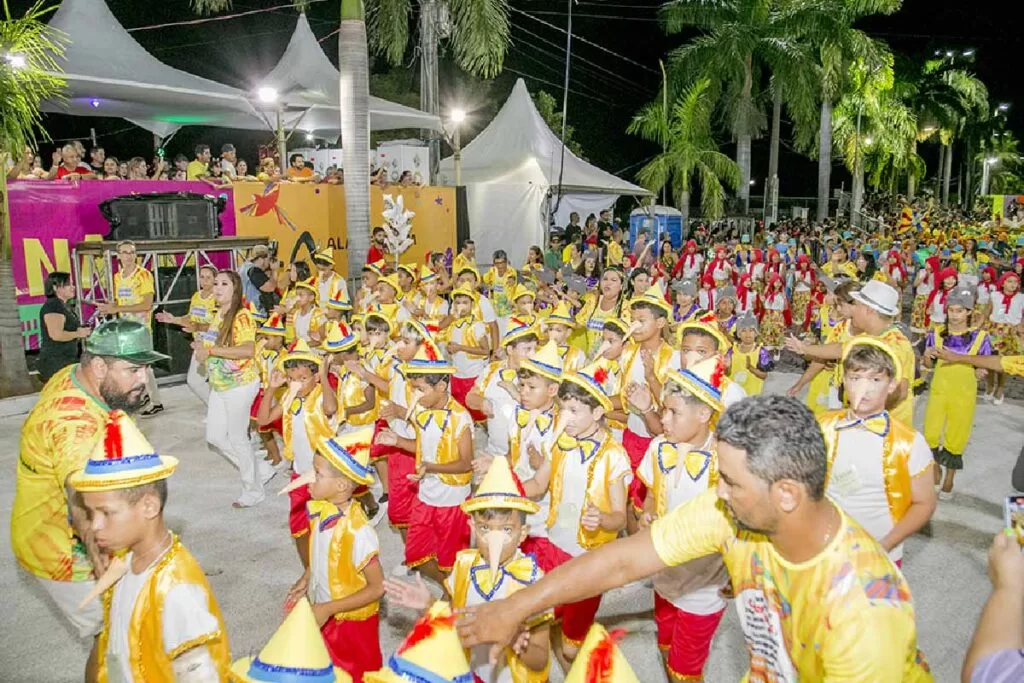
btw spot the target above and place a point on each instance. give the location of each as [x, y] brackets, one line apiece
[109, 74]
[510, 169]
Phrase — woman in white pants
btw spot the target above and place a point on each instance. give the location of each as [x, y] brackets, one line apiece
[201, 311]
[229, 353]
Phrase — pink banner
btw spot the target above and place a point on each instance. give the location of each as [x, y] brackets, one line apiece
[48, 218]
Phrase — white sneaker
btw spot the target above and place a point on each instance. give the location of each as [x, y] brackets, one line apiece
[998, 401]
[382, 512]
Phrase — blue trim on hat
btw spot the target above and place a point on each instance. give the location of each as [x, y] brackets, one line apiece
[338, 346]
[273, 673]
[417, 674]
[553, 369]
[348, 458]
[715, 393]
[593, 383]
[130, 464]
[339, 304]
[430, 364]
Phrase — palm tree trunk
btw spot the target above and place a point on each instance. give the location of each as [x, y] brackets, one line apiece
[968, 193]
[938, 173]
[14, 378]
[911, 180]
[743, 135]
[772, 185]
[824, 158]
[947, 173]
[684, 207]
[429, 99]
[858, 195]
[353, 64]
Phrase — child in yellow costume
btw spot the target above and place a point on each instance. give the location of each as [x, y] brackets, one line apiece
[161, 621]
[953, 394]
[749, 361]
[821, 378]
[344, 579]
[878, 467]
[356, 398]
[305, 318]
[609, 356]
[427, 303]
[493, 569]
[372, 272]
[269, 345]
[296, 653]
[559, 325]
[600, 659]
[431, 652]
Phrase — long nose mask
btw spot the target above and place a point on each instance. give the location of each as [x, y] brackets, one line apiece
[494, 542]
[117, 568]
[300, 481]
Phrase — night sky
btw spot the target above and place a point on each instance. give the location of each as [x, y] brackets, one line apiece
[605, 89]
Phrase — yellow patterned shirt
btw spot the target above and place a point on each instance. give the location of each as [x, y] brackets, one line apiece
[56, 440]
[201, 311]
[1013, 365]
[129, 291]
[845, 615]
[227, 373]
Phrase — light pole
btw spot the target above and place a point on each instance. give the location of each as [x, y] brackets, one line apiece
[986, 174]
[457, 116]
[268, 95]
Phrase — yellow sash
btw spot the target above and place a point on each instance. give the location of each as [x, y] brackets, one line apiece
[896, 446]
[147, 659]
[448, 445]
[317, 425]
[543, 423]
[343, 577]
[597, 493]
[667, 458]
[351, 393]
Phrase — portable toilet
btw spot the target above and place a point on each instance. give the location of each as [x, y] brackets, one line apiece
[657, 220]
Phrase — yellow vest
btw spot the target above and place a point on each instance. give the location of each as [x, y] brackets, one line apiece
[520, 420]
[631, 355]
[316, 323]
[896, 446]
[753, 384]
[573, 358]
[448, 446]
[520, 572]
[958, 375]
[317, 425]
[658, 485]
[351, 394]
[147, 659]
[598, 494]
[343, 577]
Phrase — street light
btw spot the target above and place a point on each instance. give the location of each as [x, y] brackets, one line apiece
[309, 137]
[969, 53]
[869, 141]
[267, 95]
[1003, 106]
[15, 60]
[457, 117]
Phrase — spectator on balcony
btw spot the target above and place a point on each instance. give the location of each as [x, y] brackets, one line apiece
[242, 171]
[298, 171]
[199, 167]
[59, 327]
[67, 165]
[96, 157]
[110, 169]
[228, 157]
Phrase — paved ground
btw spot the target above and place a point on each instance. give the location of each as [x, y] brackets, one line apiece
[251, 561]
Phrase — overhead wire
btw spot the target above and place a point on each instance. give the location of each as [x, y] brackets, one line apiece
[617, 17]
[627, 89]
[220, 17]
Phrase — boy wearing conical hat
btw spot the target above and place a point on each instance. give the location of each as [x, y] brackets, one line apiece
[305, 318]
[427, 303]
[160, 618]
[559, 325]
[609, 356]
[493, 569]
[344, 580]
[355, 401]
[483, 308]
[523, 304]
[330, 285]
[308, 414]
[431, 652]
[296, 652]
[444, 457]
[645, 360]
[386, 297]
[468, 345]
[879, 468]
[372, 272]
[680, 465]
[589, 481]
[496, 391]
[336, 306]
[601, 660]
[269, 345]
[702, 339]
[406, 274]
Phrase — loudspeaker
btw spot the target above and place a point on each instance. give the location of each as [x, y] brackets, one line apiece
[169, 215]
[170, 339]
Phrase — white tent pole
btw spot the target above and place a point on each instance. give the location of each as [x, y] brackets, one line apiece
[565, 103]
[282, 144]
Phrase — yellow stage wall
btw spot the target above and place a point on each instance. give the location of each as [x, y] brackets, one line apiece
[283, 212]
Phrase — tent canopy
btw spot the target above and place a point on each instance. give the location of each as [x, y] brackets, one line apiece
[109, 74]
[518, 146]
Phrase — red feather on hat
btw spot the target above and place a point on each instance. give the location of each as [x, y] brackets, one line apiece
[718, 373]
[599, 667]
[429, 350]
[600, 375]
[113, 440]
[423, 629]
[519, 484]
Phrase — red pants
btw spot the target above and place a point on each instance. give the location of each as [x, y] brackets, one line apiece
[636, 447]
[435, 534]
[577, 617]
[354, 645]
[274, 427]
[298, 518]
[685, 637]
[461, 386]
[401, 491]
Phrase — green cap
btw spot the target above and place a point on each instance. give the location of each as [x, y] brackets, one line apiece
[125, 339]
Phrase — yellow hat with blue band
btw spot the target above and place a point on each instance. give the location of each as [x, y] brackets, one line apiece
[705, 380]
[377, 267]
[299, 350]
[517, 329]
[339, 337]
[122, 459]
[592, 379]
[431, 653]
[349, 453]
[654, 296]
[560, 316]
[428, 361]
[500, 490]
[274, 326]
[546, 362]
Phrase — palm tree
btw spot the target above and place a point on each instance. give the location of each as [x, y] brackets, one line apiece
[738, 40]
[1002, 153]
[28, 48]
[826, 26]
[476, 30]
[690, 152]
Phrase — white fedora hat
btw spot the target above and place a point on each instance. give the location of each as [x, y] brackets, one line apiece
[879, 296]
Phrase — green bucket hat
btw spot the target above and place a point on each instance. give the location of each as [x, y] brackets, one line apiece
[123, 339]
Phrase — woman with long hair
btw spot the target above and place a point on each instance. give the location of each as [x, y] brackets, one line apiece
[59, 327]
[597, 309]
[590, 268]
[228, 349]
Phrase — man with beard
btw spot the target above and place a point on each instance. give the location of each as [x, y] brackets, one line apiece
[378, 250]
[50, 533]
[817, 597]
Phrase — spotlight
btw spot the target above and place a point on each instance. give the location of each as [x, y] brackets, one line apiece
[267, 95]
[94, 103]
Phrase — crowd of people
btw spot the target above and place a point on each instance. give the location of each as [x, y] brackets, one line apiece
[539, 435]
[69, 163]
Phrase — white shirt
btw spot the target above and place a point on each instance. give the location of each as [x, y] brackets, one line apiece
[691, 272]
[692, 591]
[857, 482]
[302, 450]
[985, 292]
[466, 365]
[937, 313]
[634, 421]
[574, 487]
[532, 436]
[301, 321]
[432, 490]
[397, 394]
[487, 313]
[228, 168]
[502, 404]
[1001, 315]
[365, 545]
[705, 299]
[186, 616]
